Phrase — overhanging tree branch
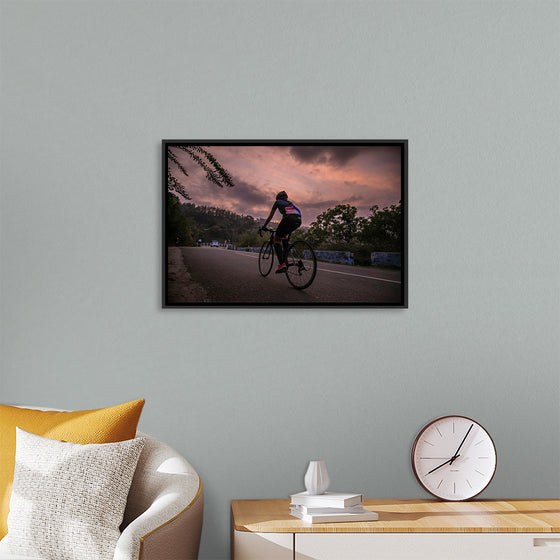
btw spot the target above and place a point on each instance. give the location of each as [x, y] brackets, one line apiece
[215, 172]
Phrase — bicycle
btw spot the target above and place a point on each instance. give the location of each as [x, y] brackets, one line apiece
[301, 261]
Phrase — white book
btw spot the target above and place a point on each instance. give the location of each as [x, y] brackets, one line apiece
[312, 510]
[328, 499]
[364, 515]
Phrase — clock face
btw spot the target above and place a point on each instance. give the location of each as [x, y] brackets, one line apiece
[454, 458]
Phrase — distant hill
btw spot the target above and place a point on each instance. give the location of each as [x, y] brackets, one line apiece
[187, 222]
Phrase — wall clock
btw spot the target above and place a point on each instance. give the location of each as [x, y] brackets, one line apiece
[454, 458]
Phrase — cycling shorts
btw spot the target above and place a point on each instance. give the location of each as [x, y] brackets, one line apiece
[289, 223]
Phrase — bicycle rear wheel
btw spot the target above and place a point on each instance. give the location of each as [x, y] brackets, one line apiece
[302, 265]
[266, 258]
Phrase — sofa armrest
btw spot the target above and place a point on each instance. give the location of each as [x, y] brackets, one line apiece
[158, 533]
[163, 516]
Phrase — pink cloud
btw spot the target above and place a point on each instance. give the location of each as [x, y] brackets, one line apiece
[315, 177]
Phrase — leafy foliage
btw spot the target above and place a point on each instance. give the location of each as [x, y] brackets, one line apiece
[340, 228]
[336, 226]
[215, 173]
[182, 226]
[383, 228]
[179, 230]
[187, 223]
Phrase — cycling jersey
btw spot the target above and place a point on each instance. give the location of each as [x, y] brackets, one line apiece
[286, 208]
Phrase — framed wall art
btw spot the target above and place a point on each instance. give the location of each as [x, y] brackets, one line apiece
[301, 223]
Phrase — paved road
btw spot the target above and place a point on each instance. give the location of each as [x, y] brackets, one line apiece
[233, 277]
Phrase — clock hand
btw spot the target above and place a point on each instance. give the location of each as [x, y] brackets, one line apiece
[461, 445]
[456, 455]
[443, 464]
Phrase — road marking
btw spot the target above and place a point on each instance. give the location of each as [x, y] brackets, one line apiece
[256, 255]
[360, 276]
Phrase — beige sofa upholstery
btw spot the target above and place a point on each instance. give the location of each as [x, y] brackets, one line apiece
[163, 517]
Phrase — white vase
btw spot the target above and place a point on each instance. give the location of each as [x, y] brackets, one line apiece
[316, 478]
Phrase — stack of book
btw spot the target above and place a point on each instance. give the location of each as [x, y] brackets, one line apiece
[330, 507]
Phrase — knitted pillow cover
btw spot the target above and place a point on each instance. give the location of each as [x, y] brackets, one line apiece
[68, 499]
[103, 425]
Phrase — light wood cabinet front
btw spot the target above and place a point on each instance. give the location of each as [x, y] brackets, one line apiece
[426, 546]
[406, 530]
[262, 546]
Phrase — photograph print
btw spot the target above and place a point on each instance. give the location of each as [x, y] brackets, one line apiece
[285, 223]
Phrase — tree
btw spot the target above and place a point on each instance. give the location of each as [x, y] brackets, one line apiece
[336, 226]
[181, 230]
[250, 239]
[215, 173]
[383, 228]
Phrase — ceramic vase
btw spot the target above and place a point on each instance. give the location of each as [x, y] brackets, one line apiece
[316, 478]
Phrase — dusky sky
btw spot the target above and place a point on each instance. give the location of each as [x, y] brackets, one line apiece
[316, 178]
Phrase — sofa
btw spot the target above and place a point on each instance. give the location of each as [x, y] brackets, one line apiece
[164, 509]
[163, 516]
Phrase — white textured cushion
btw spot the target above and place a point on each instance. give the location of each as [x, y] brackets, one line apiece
[17, 557]
[68, 499]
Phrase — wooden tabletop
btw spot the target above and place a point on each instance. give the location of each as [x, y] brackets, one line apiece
[409, 516]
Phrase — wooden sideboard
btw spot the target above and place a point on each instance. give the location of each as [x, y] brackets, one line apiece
[406, 529]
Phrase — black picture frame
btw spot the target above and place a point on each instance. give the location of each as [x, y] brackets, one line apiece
[200, 271]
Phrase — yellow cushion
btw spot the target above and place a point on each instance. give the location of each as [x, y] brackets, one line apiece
[104, 425]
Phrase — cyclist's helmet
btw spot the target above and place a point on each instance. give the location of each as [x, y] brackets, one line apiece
[283, 195]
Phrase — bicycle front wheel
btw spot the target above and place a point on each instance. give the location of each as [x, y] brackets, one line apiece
[302, 265]
[266, 258]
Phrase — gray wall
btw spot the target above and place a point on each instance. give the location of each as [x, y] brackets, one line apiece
[89, 89]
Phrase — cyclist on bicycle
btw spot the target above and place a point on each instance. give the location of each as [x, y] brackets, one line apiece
[291, 220]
